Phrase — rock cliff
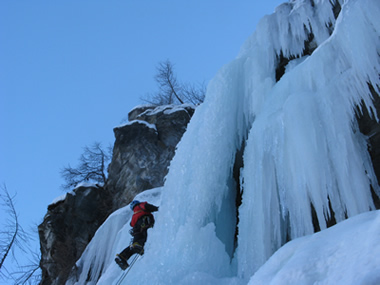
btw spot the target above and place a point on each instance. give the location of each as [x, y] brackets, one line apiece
[68, 226]
[143, 150]
[142, 153]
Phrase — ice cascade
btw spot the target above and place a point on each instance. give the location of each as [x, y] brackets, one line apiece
[285, 107]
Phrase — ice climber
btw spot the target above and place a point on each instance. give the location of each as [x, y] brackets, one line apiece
[142, 220]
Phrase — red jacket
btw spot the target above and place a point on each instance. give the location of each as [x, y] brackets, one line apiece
[139, 211]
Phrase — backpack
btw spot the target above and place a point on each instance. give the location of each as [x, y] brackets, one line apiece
[147, 222]
[144, 223]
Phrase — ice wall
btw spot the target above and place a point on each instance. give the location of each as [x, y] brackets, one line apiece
[302, 149]
[302, 146]
[97, 265]
[195, 227]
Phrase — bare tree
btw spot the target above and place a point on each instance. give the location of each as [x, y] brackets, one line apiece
[91, 168]
[194, 94]
[12, 236]
[171, 91]
[29, 274]
[11, 233]
[167, 82]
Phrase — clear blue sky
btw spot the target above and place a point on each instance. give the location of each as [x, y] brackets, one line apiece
[70, 71]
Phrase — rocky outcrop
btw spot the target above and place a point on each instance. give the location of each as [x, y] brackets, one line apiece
[142, 153]
[144, 148]
[68, 226]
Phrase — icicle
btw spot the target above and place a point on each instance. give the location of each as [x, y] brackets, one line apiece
[302, 154]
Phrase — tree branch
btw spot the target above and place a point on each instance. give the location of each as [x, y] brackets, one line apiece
[92, 167]
[14, 227]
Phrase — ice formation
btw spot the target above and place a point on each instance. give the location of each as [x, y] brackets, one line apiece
[302, 150]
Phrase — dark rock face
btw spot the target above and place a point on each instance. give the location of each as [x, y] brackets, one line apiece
[371, 128]
[143, 150]
[67, 228]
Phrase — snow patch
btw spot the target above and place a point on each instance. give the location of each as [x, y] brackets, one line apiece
[348, 253]
[88, 185]
[142, 107]
[151, 126]
[178, 108]
[60, 198]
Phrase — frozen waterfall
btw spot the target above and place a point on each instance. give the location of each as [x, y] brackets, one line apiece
[295, 131]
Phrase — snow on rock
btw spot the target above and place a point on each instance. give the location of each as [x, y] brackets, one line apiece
[88, 185]
[151, 126]
[141, 107]
[60, 198]
[81, 184]
[143, 150]
[152, 110]
[179, 108]
[167, 109]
